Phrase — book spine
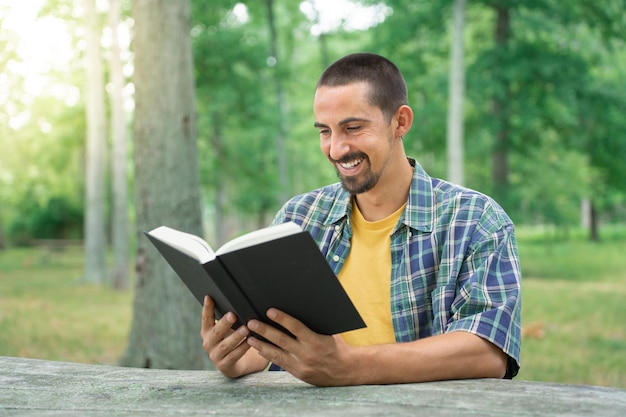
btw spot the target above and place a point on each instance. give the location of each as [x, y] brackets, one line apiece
[234, 299]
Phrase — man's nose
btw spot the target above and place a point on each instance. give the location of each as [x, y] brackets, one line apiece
[339, 146]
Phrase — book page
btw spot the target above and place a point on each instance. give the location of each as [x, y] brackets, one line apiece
[187, 243]
[260, 236]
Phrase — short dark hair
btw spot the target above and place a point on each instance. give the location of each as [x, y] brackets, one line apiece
[388, 87]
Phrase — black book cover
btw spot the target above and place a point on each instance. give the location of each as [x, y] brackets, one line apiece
[220, 286]
[289, 273]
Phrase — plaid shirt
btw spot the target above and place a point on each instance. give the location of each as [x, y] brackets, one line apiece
[454, 256]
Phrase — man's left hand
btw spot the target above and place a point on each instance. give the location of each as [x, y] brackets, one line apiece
[316, 359]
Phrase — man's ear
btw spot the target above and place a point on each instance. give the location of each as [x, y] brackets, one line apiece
[403, 120]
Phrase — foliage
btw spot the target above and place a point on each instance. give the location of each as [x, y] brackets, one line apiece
[561, 74]
[417, 40]
[41, 140]
[551, 181]
[234, 118]
[238, 109]
[40, 172]
[557, 80]
[58, 218]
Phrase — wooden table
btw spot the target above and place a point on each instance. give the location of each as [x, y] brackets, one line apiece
[30, 387]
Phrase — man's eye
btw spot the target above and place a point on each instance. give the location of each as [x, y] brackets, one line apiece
[324, 131]
[353, 128]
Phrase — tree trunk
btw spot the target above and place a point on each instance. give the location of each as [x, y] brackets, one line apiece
[221, 234]
[322, 37]
[166, 319]
[283, 179]
[119, 216]
[594, 234]
[2, 241]
[456, 96]
[94, 228]
[500, 157]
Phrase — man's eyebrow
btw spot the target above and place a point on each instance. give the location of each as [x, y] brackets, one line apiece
[343, 122]
[352, 120]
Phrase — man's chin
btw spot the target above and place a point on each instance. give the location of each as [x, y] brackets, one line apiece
[354, 186]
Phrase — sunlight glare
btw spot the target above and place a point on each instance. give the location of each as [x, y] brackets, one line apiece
[43, 50]
[241, 13]
[19, 120]
[44, 44]
[330, 15]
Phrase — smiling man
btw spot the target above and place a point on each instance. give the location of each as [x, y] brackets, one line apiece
[432, 267]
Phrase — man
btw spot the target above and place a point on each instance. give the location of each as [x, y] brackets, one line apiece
[432, 267]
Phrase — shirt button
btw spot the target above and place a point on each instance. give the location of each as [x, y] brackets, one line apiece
[337, 228]
[336, 258]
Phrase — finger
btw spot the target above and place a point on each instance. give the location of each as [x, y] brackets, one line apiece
[221, 339]
[220, 330]
[231, 348]
[225, 325]
[232, 357]
[290, 323]
[208, 314]
[269, 351]
[277, 338]
[284, 348]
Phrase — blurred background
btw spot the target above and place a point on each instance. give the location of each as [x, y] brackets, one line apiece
[522, 100]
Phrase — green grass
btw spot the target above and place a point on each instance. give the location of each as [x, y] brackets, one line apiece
[575, 258]
[47, 313]
[573, 314]
[574, 308]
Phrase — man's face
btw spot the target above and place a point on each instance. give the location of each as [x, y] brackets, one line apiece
[354, 135]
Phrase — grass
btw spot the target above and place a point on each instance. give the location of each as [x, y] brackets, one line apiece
[574, 309]
[47, 313]
[573, 314]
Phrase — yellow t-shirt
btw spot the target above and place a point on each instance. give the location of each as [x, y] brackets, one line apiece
[366, 276]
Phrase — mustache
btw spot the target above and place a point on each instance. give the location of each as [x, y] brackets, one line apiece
[349, 157]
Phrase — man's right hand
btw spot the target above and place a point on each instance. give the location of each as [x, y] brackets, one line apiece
[227, 348]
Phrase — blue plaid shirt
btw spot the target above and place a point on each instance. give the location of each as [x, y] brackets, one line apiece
[454, 256]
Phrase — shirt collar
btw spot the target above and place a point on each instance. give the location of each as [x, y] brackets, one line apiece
[418, 213]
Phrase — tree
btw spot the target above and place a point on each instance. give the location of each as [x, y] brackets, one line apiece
[564, 63]
[95, 236]
[500, 100]
[456, 96]
[275, 61]
[166, 319]
[415, 37]
[119, 215]
[235, 119]
[238, 111]
[7, 46]
[534, 70]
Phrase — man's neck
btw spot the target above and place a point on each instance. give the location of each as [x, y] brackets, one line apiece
[388, 195]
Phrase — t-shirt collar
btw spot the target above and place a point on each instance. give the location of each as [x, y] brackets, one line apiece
[418, 213]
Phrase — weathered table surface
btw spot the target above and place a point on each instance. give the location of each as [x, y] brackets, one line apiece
[30, 387]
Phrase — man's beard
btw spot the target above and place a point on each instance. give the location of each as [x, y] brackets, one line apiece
[361, 183]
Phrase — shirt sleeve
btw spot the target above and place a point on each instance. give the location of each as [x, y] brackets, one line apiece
[488, 297]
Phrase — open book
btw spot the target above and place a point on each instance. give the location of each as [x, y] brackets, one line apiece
[279, 266]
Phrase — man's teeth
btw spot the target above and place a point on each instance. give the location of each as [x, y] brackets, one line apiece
[351, 164]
